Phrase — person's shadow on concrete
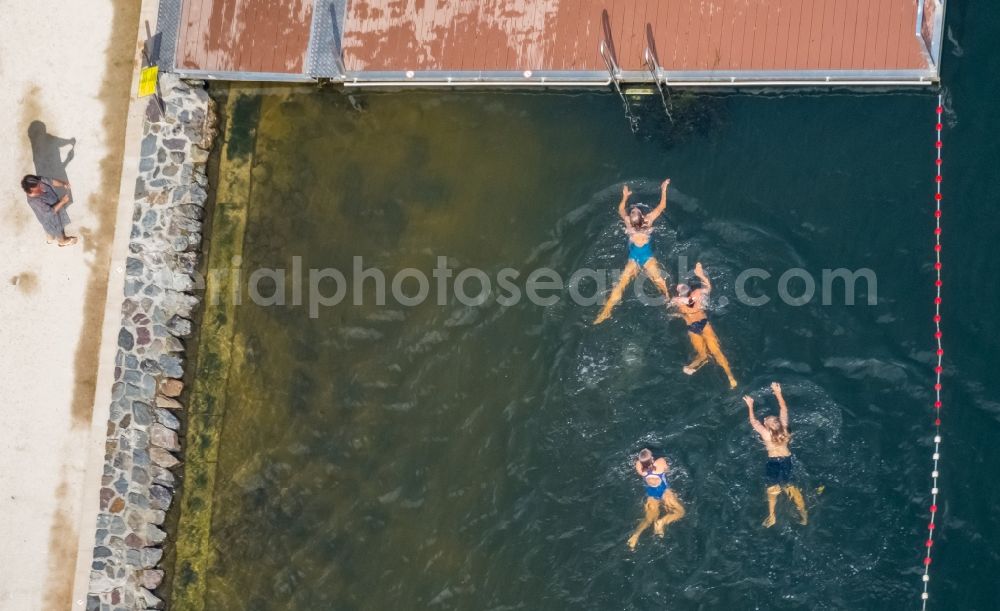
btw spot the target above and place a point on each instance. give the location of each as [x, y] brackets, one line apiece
[46, 150]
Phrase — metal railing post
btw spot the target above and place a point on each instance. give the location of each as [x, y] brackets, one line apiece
[661, 83]
[615, 72]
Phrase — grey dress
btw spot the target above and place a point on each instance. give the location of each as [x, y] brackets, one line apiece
[42, 207]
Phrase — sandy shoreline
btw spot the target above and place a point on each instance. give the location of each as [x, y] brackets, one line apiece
[54, 299]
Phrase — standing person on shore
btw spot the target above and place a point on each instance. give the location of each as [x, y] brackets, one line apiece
[691, 304]
[46, 204]
[778, 471]
[639, 229]
[658, 493]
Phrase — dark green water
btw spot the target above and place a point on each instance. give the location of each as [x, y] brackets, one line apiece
[461, 457]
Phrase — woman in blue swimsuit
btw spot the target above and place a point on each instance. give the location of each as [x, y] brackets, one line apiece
[658, 492]
[639, 228]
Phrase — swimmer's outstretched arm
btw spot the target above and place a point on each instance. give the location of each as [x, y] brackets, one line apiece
[621, 206]
[757, 426]
[706, 284]
[783, 414]
[655, 214]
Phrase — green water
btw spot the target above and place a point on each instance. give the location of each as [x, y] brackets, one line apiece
[458, 457]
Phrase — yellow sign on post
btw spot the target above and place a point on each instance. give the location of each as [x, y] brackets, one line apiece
[147, 81]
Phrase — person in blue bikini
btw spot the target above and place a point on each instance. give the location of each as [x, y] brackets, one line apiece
[639, 228]
[654, 476]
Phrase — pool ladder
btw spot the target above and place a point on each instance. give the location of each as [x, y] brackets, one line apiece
[655, 71]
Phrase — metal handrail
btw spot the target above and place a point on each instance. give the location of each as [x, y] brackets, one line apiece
[653, 67]
[660, 78]
[615, 71]
[651, 63]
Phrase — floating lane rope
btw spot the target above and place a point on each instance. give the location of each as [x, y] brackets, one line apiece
[938, 369]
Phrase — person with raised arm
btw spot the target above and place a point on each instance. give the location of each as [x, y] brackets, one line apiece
[778, 470]
[692, 307]
[658, 493]
[639, 229]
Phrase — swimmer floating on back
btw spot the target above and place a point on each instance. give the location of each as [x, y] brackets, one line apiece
[639, 228]
[778, 472]
[691, 305]
[654, 475]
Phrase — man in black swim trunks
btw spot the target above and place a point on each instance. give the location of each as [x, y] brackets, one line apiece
[778, 470]
[691, 304]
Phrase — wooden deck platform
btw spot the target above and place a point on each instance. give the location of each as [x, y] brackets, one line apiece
[518, 42]
[244, 35]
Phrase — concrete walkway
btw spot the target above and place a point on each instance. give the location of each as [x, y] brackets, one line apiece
[66, 69]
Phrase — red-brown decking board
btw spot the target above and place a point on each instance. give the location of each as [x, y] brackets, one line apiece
[725, 36]
[689, 35]
[258, 36]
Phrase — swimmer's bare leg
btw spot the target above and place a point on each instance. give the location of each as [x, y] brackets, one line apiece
[712, 343]
[674, 511]
[652, 509]
[652, 269]
[701, 354]
[628, 274]
[772, 501]
[795, 495]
